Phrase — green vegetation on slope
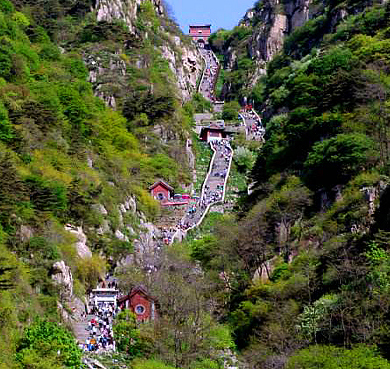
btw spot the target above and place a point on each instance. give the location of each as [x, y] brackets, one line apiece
[305, 265]
[64, 153]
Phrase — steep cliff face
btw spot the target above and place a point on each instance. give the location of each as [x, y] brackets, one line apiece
[183, 58]
[153, 54]
[267, 24]
[262, 32]
[272, 21]
[125, 10]
[186, 64]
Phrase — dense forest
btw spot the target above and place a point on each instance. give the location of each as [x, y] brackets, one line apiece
[297, 276]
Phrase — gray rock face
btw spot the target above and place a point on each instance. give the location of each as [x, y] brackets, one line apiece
[100, 208]
[184, 60]
[83, 250]
[25, 233]
[62, 276]
[146, 247]
[272, 21]
[104, 68]
[126, 10]
[120, 236]
[276, 22]
[187, 69]
[131, 205]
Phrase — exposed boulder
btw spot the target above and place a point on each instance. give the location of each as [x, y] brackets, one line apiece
[100, 209]
[62, 276]
[82, 249]
[262, 274]
[25, 233]
[120, 236]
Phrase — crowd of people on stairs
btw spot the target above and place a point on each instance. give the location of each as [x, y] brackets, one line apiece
[254, 127]
[101, 337]
[210, 75]
[214, 185]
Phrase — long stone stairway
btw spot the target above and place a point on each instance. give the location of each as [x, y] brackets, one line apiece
[214, 185]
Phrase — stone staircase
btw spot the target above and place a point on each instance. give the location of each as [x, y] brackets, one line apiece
[80, 329]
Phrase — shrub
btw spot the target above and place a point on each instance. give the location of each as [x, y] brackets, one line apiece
[200, 104]
[46, 195]
[329, 357]
[244, 158]
[50, 52]
[45, 344]
[6, 6]
[41, 246]
[6, 129]
[335, 160]
[230, 110]
[89, 270]
[150, 364]
[128, 337]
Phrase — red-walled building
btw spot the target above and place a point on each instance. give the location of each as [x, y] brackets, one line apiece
[161, 191]
[140, 303]
[200, 33]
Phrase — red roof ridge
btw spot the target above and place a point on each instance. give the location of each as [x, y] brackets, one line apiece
[140, 289]
[165, 184]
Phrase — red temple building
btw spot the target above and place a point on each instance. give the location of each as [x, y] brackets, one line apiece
[200, 33]
[140, 303]
[161, 191]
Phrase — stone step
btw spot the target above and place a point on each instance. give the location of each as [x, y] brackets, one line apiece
[81, 333]
[80, 329]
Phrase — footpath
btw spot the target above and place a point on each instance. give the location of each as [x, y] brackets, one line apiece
[254, 129]
[214, 185]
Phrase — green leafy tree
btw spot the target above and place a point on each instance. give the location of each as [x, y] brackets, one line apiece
[200, 104]
[230, 110]
[244, 158]
[330, 357]
[48, 343]
[128, 337]
[335, 160]
[312, 319]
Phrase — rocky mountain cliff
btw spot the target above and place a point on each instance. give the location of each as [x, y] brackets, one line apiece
[261, 33]
[182, 56]
[126, 10]
[272, 21]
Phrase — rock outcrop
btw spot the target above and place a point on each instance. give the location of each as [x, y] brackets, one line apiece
[186, 65]
[269, 22]
[82, 249]
[272, 22]
[183, 58]
[125, 10]
[62, 276]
